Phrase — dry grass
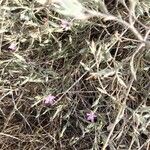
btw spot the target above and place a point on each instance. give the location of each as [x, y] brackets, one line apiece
[97, 60]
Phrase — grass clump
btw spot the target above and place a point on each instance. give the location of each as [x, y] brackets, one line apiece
[75, 75]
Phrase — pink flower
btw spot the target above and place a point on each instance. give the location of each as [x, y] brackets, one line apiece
[65, 25]
[91, 116]
[12, 46]
[49, 100]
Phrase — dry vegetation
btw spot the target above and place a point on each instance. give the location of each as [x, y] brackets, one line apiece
[93, 57]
